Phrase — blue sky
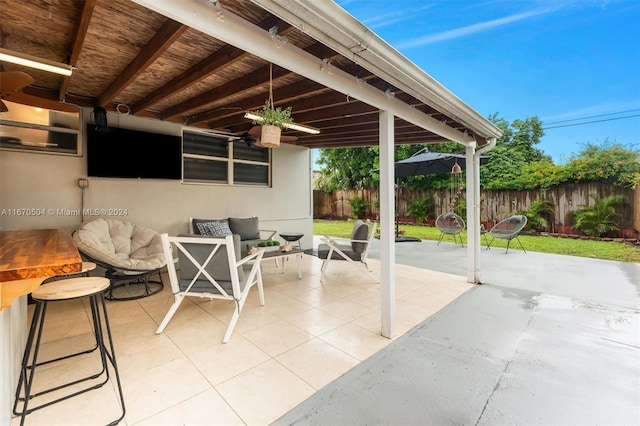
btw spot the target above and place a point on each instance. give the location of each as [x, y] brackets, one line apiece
[568, 62]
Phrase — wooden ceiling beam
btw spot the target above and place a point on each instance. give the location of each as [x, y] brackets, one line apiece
[368, 133]
[76, 45]
[249, 81]
[159, 43]
[309, 107]
[285, 94]
[341, 122]
[224, 57]
[342, 143]
[304, 92]
[299, 108]
[246, 82]
[351, 108]
[220, 59]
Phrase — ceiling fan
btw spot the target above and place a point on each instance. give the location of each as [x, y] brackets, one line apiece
[251, 137]
[11, 82]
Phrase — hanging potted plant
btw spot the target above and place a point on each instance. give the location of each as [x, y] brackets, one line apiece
[272, 120]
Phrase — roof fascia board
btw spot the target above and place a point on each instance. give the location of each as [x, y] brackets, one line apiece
[202, 16]
[328, 23]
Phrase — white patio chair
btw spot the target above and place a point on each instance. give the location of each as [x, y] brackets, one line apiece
[354, 250]
[211, 268]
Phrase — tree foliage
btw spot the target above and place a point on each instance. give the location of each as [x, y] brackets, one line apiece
[599, 219]
[421, 209]
[516, 163]
[538, 214]
[348, 168]
[512, 153]
[358, 207]
[608, 162]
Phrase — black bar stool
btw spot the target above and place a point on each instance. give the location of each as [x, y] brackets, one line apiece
[71, 288]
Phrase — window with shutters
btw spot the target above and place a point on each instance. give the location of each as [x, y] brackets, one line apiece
[209, 158]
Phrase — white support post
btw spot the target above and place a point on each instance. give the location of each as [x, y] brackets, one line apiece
[476, 266]
[473, 214]
[387, 234]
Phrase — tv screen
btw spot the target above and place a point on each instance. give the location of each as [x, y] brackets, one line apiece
[133, 154]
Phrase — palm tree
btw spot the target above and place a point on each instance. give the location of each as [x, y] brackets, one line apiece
[598, 219]
[537, 214]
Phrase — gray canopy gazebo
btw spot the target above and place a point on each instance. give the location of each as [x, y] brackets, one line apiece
[424, 162]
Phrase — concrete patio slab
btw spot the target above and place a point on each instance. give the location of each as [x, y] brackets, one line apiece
[545, 339]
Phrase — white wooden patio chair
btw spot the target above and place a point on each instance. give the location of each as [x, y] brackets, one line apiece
[355, 250]
[211, 268]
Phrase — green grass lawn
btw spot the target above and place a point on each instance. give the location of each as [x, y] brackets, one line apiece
[609, 250]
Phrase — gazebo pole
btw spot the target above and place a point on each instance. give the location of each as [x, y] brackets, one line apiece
[397, 204]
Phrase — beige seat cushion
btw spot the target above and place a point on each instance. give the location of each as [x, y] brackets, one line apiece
[123, 245]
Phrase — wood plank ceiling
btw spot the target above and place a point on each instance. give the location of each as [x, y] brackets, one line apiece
[133, 60]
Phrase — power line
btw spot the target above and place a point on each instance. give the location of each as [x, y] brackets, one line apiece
[594, 116]
[591, 122]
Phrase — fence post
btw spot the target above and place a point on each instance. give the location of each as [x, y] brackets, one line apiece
[636, 209]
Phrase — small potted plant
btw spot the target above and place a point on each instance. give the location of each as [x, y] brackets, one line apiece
[269, 245]
[272, 122]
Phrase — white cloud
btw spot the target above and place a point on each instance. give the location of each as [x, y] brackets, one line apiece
[391, 18]
[471, 29]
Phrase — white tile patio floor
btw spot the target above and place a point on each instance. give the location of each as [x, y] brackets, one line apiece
[305, 336]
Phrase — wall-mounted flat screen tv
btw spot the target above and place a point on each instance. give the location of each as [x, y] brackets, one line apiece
[122, 153]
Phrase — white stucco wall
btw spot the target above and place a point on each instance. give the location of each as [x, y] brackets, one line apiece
[47, 181]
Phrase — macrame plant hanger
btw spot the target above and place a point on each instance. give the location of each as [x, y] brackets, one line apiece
[270, 137]
[456, 187]
[270, 85]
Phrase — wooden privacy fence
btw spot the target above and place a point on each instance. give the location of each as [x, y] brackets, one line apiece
[494, 205]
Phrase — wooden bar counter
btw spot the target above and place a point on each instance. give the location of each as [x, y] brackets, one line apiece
[28, 257]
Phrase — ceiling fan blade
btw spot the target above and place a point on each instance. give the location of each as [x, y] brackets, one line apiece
[285, 138]
[34, 101]
[255, 131]
[14, 80]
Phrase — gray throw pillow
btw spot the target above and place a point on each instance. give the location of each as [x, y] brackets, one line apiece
[218, 228]
[195, 224]
[211, 227]
[356, 226]
[203, 228]
[247, 228]
[362, 233]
